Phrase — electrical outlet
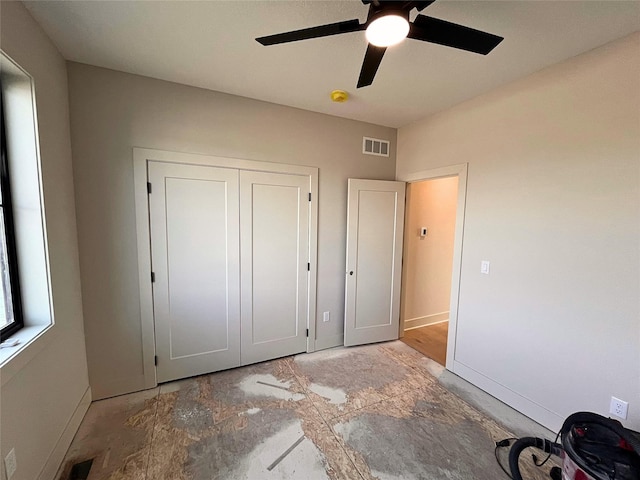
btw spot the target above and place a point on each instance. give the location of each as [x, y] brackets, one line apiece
[325, 317]
[10, 463]
[618, 408]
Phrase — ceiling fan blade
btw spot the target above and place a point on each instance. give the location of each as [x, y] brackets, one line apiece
[313, 32]
[421, 5]
[434, 30]
[370, 65]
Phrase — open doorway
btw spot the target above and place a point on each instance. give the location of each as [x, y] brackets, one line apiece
[428, 262]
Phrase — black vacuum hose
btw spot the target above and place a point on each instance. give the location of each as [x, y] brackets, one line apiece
[516, 449]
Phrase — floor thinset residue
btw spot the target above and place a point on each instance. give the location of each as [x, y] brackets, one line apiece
[335, 396]
[268, 386]
[304, 460]
[364, 413]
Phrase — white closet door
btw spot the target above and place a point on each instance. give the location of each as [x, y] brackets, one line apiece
[375, 223]
[274, 230]
[194, 243]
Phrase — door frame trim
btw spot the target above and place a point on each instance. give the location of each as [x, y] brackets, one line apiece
[460, 171]
[141, 157]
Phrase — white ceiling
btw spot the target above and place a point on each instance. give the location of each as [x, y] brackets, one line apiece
[211, 45]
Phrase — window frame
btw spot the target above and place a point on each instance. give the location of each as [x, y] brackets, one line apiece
[10, 237]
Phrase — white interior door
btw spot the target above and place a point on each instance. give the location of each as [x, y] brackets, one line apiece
[274, 230]
[194, 226]
[375, 222]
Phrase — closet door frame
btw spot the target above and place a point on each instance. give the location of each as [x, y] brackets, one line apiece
[141, 157]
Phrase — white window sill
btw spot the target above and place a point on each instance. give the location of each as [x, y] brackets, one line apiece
[32, 340]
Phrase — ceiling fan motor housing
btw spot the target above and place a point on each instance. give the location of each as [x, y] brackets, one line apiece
[388, 9]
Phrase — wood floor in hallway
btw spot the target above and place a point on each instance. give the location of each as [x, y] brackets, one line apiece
[430, 340]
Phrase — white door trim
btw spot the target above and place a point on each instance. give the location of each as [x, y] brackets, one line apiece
[461, 172]
[140, 158]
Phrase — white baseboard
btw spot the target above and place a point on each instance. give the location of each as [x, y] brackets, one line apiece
[538, 413]
[119, 387]
[54, 462]
[426, 320]
[329, 342]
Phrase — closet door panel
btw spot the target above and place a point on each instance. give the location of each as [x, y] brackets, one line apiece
[195, 257]
[274, 229]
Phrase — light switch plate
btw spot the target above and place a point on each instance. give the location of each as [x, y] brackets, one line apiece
[484, 267]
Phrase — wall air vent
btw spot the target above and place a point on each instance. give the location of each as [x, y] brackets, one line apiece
[375, 146]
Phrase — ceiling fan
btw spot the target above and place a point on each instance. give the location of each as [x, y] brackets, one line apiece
[387, 24]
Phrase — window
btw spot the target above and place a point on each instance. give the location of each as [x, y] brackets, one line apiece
[11, 319]
[26, 309]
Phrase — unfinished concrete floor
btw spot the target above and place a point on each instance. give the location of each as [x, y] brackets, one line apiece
[368, 412]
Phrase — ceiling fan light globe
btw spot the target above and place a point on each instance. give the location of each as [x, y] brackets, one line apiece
[387, 30]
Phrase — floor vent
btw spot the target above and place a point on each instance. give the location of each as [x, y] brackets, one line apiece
[80, 471]
[375, 146]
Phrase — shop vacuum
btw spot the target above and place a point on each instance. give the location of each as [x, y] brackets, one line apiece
[592, 447]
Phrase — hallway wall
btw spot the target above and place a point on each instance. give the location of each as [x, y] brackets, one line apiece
[426, 292]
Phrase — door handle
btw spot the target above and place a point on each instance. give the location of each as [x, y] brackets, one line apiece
[351, 272]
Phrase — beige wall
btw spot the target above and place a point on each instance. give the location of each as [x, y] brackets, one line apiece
[112, 112]
[553, 201]
[39, 397]
[427, 261]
